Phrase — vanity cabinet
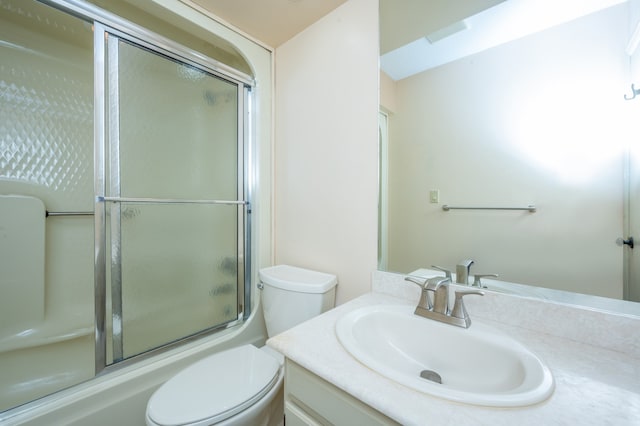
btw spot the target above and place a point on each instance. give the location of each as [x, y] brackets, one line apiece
[310, 400]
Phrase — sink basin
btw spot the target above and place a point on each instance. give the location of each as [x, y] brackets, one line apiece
[478, 365]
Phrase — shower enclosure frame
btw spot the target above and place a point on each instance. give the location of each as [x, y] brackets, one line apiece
[104, 25]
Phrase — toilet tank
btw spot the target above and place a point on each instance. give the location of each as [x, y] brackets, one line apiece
[292, 295]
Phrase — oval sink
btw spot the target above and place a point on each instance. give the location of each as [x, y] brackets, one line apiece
[478, 365]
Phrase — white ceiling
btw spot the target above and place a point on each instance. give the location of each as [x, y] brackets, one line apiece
[500, 24]
[405, 23]
[272, 22]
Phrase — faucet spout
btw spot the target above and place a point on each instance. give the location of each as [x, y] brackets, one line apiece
[438, 309]
[440, 288]
[462, 271]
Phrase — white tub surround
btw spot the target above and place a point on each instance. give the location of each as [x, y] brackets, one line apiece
[594, 357]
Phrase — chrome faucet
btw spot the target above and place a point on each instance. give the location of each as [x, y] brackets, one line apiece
[438, 309]
[462, 271]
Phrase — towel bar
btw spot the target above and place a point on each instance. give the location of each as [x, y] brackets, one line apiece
[530, 208]
[47, 213]
[169, 201]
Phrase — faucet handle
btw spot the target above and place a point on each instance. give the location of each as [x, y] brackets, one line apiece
[435, 283]
[447, 273]
[418, 281]
[477, 279]
[424, 302]
[459, 311]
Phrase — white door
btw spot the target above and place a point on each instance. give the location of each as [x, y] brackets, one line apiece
[632, 255]
[383, 137]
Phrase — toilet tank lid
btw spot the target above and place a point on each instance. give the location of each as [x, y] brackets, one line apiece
[292, 278]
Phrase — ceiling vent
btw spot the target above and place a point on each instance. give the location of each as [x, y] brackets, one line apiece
[447, 31]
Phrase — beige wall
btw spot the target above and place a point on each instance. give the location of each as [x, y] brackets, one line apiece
[533, 121]
[387, 93]
[326, 147]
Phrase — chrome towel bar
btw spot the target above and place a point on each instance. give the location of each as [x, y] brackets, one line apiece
[145, 201]
[47, 213]
[169, 201]
[530, 208]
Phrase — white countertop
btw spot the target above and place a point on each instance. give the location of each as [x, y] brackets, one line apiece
[594, 385]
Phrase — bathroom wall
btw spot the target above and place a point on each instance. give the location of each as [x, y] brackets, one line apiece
[387, 92]
[326, 147]
[473, 130]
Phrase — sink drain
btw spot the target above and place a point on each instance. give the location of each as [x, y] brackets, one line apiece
[431, 375]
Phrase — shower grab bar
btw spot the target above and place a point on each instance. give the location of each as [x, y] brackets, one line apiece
[530, 208]
[169, 201]
[47, 213]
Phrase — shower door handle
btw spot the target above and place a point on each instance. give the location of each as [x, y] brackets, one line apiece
[628, 242]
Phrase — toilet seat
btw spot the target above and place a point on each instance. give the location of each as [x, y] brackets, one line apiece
[214, 388]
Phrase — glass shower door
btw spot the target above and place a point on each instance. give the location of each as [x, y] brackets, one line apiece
[175, 198]
[46, 202]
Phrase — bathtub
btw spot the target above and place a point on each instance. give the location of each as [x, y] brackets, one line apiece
[118, 396]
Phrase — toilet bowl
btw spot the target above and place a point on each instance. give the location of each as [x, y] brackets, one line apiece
[239, 386]
[244, 385]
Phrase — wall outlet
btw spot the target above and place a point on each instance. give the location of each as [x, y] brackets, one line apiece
[434, 196]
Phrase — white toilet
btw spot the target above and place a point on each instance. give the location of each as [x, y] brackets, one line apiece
[243, 385]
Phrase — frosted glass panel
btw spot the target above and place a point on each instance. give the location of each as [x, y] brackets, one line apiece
[46, 156]
[179, 272]
[178, 129]
[173, 136]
